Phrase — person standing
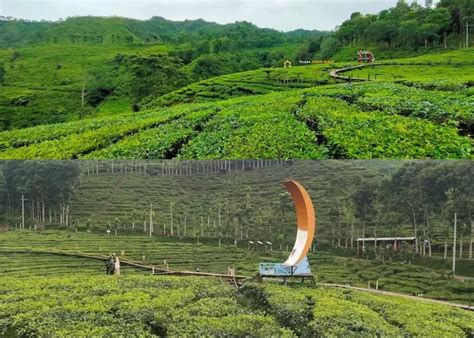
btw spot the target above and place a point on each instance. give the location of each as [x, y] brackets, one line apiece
[110, 265]
[116, 271]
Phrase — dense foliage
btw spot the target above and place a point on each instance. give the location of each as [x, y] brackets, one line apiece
[154, 306]
[408, 25]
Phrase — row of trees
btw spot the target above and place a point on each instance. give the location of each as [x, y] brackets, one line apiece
[46, 189]
[403, 25]
[408, 26]
[418, 200]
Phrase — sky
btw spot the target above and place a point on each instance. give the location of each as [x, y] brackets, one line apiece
[283, 15]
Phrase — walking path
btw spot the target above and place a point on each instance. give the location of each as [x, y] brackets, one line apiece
[335, 74]
[389, 293]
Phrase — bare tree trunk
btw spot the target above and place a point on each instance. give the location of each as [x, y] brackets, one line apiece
[171, 220]
[185, 224]
[470, 248]
[202, 226]
[446, 248]
[472, 239]
[416, 232]
[375, 240]
[151, 220]
[352, 235]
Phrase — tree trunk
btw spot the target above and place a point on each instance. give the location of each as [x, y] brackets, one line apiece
[472, 239]
[416, 232]
[202, 226]
[446, 249]
[352, 235]
[171, 219]
[185, 225]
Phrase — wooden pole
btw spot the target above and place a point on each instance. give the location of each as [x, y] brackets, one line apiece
[151, 219]
[23, 211]
[454, 243]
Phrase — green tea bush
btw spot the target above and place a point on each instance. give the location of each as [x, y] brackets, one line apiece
[350, 133]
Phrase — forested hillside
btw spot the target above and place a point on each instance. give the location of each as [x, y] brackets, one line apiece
[402, 30]
[91, 66]
[67, 70]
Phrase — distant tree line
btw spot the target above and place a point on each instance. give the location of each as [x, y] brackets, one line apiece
[408, 26]
[46, 186]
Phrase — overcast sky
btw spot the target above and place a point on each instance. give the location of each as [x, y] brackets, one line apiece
[279, 14]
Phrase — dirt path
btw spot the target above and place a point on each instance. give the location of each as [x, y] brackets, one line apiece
[396, 294]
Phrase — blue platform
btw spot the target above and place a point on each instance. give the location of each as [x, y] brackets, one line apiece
[278, 269]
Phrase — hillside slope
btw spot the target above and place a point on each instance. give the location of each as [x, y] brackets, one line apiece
[88, 66]
[368, 120]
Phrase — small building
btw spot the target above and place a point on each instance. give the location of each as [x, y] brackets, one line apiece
[287, 64]
[365, 56]
[394, 241]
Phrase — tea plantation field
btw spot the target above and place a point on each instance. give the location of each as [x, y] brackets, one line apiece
[256, 82]
[425, 76]
[281, 113]
[56, 295]
[25, 253]
[343, 121]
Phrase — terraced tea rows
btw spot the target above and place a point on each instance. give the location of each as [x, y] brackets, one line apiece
[136, 305]
[256, 82]
[444, 77]
[188, 255]
[270, 126]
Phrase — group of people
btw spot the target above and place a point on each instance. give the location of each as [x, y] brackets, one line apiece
[112, 265]
[364, 56]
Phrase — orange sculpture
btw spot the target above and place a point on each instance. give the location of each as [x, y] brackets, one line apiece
[306, 222]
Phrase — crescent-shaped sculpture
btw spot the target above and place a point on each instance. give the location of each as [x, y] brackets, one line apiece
[306, 220]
